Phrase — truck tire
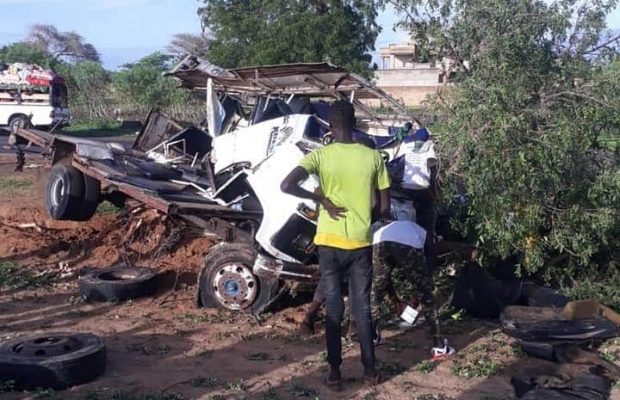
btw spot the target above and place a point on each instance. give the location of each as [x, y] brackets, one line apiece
[65, 193]
[228, 283]
[92, 195]
[18, 121]
[52, 361]
[118, 283]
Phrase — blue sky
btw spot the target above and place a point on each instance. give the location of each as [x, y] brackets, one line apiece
[125, 30]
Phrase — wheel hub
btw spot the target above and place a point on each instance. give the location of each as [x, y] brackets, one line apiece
[235, 286]
[58, 191]
[47, 346]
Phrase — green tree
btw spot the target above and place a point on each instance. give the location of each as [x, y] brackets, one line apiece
[257, 32]
[144, 85]
[530, 131]
[27, 53]
[88, 83]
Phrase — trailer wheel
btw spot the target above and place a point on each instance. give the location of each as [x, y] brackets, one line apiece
[18, 121]
[55, 361]
[228, 283]
[118, 283]
[65, 193]
[92, 194]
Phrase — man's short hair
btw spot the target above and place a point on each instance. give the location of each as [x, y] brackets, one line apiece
[342, 115]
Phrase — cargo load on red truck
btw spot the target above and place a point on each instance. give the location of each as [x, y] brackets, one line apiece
[21, 75]
[31, 95]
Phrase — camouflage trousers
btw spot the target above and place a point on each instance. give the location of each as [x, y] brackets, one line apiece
[396, 266]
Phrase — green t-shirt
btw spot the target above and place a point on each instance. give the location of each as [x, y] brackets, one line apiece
[348, 175]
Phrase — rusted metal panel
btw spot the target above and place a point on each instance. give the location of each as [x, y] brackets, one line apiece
[40, 138]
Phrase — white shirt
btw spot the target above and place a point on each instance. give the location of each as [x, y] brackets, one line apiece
[404, 232]
[417, 174]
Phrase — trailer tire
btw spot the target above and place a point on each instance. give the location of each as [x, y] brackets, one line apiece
[228, 283]
[118, 283]
[18, 121]
[92, 195]
[54, 361]
[65, 193]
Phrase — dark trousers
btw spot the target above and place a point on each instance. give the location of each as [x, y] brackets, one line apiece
[356, 265]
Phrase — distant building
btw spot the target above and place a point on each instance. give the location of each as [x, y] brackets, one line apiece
[404, 78]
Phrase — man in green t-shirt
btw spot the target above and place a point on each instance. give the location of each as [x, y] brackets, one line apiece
[348, 173]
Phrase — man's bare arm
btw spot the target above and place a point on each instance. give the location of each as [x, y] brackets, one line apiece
[290, 185]
[384, 203]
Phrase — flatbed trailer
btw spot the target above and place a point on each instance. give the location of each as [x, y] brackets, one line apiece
[202, 213]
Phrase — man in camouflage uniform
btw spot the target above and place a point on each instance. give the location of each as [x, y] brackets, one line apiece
[414, 266]
[390, 258]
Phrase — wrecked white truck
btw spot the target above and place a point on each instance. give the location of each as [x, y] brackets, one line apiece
[226, 177]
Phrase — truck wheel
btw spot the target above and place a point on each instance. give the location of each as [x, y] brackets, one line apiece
[18, 121]
[228, 283]
[65, 193]
[118, 283]
[92, 194]
[55, 361]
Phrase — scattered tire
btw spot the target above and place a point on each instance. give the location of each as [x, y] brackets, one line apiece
[65, 193]
[18, 121]
[92, 195]
[228, 283]
[548, 324]
[117, 283]
[54, 361]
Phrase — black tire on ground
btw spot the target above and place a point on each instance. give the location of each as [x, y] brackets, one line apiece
[118, 283]
[548, 324]
[227, 282]
[18, 121]
[92, 195]
[64, 195]
[55, 361]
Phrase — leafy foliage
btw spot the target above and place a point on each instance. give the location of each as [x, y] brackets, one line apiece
[144, 85]
[602, 286]
[526, 131]
[88, 83]
[27, 53]
[258, 32]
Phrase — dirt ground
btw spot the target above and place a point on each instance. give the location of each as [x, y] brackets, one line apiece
[165, 345]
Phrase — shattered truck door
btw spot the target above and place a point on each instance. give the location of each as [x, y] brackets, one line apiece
[287, 229]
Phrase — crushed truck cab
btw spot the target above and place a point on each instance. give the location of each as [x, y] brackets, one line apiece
[224, 176]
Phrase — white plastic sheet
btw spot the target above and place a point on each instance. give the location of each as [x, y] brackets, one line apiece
[407, 233]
